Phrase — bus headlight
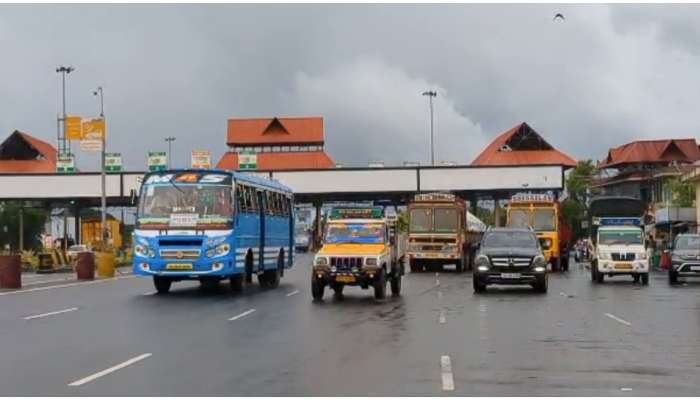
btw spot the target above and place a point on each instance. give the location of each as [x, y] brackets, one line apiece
[320, 261]
[220, 250]
[144, 251]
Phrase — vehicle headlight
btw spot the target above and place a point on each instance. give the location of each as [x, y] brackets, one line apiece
[144, 251]
[482, 263]
[603, 255]
[546, 243]
[449, 248]
[641, 256]
[414, 247]
[371, 261]
[214, 242]
[320, 261]
[220, 250]
[539, 263]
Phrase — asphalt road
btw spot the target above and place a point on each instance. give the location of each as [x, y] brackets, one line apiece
[116, 337]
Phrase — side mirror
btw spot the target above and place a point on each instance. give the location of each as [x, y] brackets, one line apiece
[133, 197]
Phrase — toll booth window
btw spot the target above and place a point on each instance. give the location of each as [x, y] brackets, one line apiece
[421, 220]
[519, 219]
[446, 220]
[544, 220]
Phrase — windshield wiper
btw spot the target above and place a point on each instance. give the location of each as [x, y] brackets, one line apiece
[175, 186]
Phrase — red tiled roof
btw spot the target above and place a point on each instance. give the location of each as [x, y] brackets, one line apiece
[43, 162]
[522, 145]
[282, 160]
[297, 130]
[652, 151]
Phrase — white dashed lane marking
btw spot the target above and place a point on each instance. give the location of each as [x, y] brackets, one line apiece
[39, 289]
[48, 314]
[618, 319]
[443, 318]
[448, 383]
[107, 371]
[292, 293]
[241, 315]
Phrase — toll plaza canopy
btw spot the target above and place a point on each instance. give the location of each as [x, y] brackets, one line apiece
[22, 153]
[522, 145]
[278, 143]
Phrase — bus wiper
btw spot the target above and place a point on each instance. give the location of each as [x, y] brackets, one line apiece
[175, 186]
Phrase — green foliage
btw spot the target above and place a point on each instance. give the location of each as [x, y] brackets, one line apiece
[578, 186]
[402, 222]
[485, 215]
[683, 192]
[34, 220]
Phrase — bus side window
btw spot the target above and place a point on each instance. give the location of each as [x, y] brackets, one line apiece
[254, 207]
[274, 206]
[270, 203]
[240, 198]
[287, 206]
[278, 204]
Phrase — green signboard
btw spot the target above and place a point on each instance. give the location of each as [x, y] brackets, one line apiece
[65, 164]
[247, 160]
[157, 161]
[113, 162]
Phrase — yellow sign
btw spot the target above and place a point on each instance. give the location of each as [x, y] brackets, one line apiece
[73, 128]
[94, 129]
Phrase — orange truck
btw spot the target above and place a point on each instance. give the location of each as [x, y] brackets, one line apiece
[441, 232]
[545, 215]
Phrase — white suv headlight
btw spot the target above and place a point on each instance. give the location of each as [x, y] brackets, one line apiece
[371, 261]
[320, 261]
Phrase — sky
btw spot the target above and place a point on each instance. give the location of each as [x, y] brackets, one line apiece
[604, 76]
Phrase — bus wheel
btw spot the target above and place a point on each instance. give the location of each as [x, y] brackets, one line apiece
[317, 288]
[237, 283]
[380, 286]
[274, 276]
[162, 284]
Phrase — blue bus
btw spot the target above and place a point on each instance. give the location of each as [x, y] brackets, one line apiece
[211, 225]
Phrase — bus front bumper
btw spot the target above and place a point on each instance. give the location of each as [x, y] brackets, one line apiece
[194, 269]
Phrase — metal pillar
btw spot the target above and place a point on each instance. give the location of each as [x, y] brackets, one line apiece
[317, 225]
[76, 224]
[21, 228]
[496, 213]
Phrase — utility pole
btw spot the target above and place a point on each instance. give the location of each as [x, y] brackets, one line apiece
[431, 94]
[105, 233]
[170, 140]
[63, 143]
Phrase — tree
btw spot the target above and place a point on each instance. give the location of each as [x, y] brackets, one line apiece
[580, 190]
[34, 220]
[683, 192]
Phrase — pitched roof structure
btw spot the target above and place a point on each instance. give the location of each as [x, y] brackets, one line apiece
[663, 151]
[277, 161]
[278, 131]
[522, 145]
[22, 153]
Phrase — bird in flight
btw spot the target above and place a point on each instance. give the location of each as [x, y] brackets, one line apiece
[559, 16]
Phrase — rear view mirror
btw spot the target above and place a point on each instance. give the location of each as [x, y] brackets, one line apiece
[133, 197]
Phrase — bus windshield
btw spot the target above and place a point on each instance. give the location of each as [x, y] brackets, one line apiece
[446, 220]
[624, 237]
[519, 218]
[355, 233]
[544, 220]
[421, 220]
[186, 200]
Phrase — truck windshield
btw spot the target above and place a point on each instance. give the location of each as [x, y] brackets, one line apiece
[421, 220]
[446, 220]
[519, 218]
[687, 243]
[544, 220]
[625, 237]
[355, 233]
[510, 239]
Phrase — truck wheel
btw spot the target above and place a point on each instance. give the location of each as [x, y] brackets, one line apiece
[338, 290]
[162, 284]
[672, 276]
[380, 286]
[317, 289]
[415, 266]
[541, 285]
[236, 283]
[396, 283]
[479, 287]
[645, 279]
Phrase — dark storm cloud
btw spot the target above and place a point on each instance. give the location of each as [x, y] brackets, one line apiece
[604, 76]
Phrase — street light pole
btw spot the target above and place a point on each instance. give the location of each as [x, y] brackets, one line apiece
[103, 200]
[63, 144]
[170, 140]
[431, 94]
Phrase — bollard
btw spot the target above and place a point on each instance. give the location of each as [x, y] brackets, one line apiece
[11, 272]
[85, 266]
[106, 263]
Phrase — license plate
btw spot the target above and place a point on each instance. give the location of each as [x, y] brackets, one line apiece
[623, 265]
[432, 255]
[510, 275]
[695, 268]
[345, 279]
[179, 267]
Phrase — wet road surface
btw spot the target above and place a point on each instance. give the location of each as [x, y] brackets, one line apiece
[116, 337]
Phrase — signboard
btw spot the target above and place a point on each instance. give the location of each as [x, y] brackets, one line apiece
[247, 160]
[73, 127]
[65, 163]
[91, 145]
[355, 213]
[157, 160]
[201, 159]
[113, 162]
[94, 129]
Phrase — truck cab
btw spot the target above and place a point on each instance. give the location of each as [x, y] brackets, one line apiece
[618, 239]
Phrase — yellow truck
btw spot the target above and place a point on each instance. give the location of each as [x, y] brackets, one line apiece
[544, 215]
[359, 249]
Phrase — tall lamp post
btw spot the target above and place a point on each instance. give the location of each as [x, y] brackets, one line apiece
[431, 94]
[170, 140]
[63, 144]
[105, 234]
